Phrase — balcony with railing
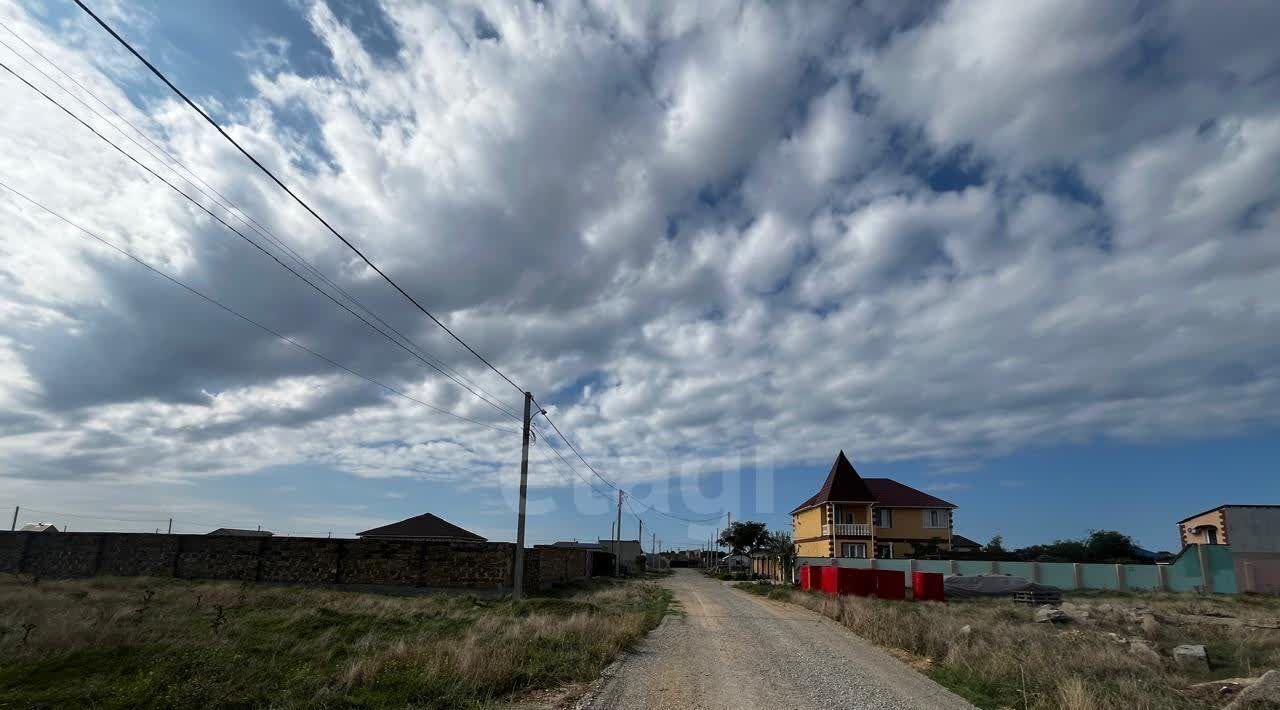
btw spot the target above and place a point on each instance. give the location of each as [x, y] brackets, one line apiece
[847, 530]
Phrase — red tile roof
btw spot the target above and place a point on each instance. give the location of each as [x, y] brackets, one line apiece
[844, 485]
[889, 492]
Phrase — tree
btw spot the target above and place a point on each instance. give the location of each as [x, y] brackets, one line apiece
[782, 548]
[743, 536]
[1056, 551]
[1109, 546]
[930, 550]
[996, 546]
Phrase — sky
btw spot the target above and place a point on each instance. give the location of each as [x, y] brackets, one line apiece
[1024, 256]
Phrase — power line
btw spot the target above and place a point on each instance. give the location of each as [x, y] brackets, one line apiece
[574, 471]
[573, 448]
[249, 320]
[238, 233]
[291, 193]
[673, 516]
[239, 213]
[328, 226]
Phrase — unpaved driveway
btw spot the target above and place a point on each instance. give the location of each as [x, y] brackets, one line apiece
[736, 651]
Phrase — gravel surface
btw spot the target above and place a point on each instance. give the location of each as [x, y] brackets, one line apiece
[734, 650]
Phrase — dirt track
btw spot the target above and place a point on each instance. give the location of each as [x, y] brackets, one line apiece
[735, 651]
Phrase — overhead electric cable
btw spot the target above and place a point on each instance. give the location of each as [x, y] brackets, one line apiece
[572, 448]
[291, 193]
[224, 223]
[240, 214]
[249, 320]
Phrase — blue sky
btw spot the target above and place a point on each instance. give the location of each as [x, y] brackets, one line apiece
[1013, 257]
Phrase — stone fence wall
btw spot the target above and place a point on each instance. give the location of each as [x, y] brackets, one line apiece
[481, 566]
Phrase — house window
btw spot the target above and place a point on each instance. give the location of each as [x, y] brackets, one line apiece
[884, 551]
[848, 517]
[884, 517]
[935, 518]
[854, 549]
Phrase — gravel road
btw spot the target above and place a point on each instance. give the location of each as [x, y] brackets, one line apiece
[738, 651]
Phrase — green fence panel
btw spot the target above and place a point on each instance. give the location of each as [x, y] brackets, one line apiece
[1141, 577]
[973, 567]
[1184, 573]
[1018, 569]
[1058, 574]
[942, 566]
[1098, 576]
[1222, 569]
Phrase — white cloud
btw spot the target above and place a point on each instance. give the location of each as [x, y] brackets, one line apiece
[728, 223]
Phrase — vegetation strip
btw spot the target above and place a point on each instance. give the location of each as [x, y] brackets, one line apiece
[160, 643]
[995, 655]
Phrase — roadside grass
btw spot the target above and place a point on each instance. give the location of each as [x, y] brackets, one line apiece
[765, 590]
[1007, 660]
[161, 643]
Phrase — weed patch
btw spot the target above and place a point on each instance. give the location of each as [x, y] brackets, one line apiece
[217, 644]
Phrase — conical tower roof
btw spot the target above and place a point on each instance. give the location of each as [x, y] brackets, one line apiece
[843, 485]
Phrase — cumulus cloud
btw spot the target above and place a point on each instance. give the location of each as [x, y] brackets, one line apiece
[693, 230]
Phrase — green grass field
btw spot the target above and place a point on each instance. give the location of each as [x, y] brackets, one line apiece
[159, 643]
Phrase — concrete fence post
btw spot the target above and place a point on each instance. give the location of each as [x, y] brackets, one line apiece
[1162, 577]
[1035, 572]
[1250, 583]
[955, 568]
[1077, 578]
[1206, 575]
[995, 567]
[1120, 580]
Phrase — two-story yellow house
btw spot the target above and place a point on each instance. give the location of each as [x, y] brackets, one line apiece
[852, 516]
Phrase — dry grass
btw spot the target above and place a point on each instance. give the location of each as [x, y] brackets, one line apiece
[139, 643]
[1008, 661]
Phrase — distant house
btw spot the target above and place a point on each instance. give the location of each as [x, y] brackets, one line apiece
[240, 532]
[422, 527]
[1246, 528]
[593, 546]
[1252, 532]
[852, 516]
[960, 543]
[39, 527]
[626, 550]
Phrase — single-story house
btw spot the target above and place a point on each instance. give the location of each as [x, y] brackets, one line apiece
[626, 550]
[960, 543]
[39, 527]
[241, 532]
[422, 527]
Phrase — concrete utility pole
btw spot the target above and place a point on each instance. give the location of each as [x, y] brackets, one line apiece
[617, 539]
[170, 526]
[640, 538]
[517, 589]
[14, 525]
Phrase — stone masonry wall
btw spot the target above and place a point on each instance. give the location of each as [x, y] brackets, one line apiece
[396, 563]
[547, 566]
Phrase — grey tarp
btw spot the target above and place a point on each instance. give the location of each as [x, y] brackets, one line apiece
[989, 585]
